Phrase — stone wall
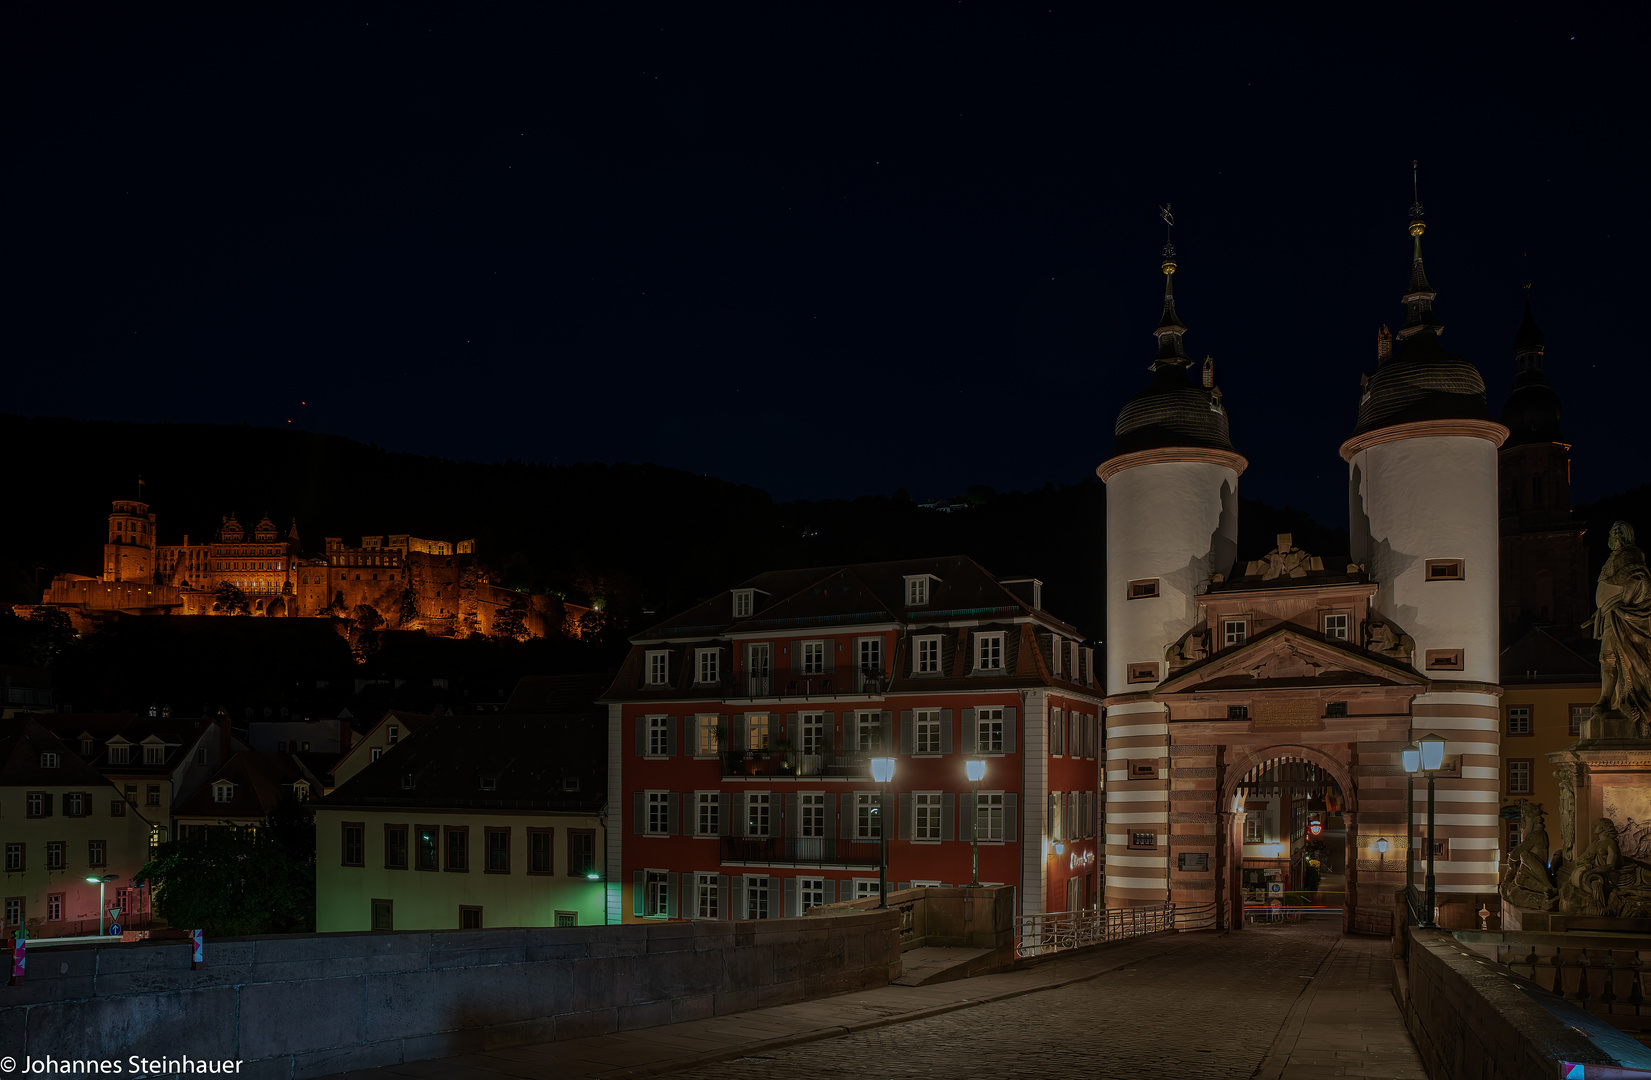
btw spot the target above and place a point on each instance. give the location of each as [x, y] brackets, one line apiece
[302, 1006]
[1472, 1019]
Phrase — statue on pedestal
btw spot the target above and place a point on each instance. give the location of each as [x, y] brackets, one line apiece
[1622, 624]
[1603, 882]
[1525, 883]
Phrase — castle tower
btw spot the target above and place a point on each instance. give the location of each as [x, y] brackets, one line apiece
[1172, 522]
[1544, 566]
[129, 554]
[1422, 465]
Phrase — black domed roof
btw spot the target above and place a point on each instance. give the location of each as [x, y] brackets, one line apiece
[1423, 382]
[1171, 411]
[1532, 415]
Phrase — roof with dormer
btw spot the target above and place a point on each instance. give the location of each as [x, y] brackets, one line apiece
[257, 779]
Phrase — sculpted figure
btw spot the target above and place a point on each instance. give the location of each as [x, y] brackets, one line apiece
[1586, 887]
[1622, 623]
[1525, 882]
[1567, 810]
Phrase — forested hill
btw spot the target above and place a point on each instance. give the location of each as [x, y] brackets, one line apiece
[648, 539]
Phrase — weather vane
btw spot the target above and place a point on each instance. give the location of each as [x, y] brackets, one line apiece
[1169, 223]
[1415, 189]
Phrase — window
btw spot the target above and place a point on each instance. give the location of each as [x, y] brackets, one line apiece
[1519, 719]
[926, 816]
[989, 652]
[756, 731]
[429, 848]
[1335, 709]
[48, 761]
[1335, 627]
[659, 736]
[917, 591]
[1238, 712]
[814, 658]
[55, 854]
[1444, 660]
[223, 791]
[989, 731]
[1234, 631]
[152, 795]
[656, 894]
[54, 907]
[864, 887]
[1057, 807]
[200, 755]
[658, 822]
[96, 853]
[377, 752]
[812, 825]
[709, 665]
[868, 732]
[707, 896]
[756, 813]
[1253, 833]
[581, 852]
[756, 897]
[85, 746]
[871, 655]
[39, 804]
[117, 807]
[354, 848]
[498, 850]
[926, 737]
[1143, 589]
[708, 813]
[384, 915]
[867, 816]
[470, 918]
[15, 859]
[1579, 713]
[813, 731]
[928, 656]
[567, 918]
[132, 794]
[76, 804]
[1143, 840]
[391, 735]
[154, 755]
[458, 848]
[706, 743]
[395, 847]
[14, 911]
[1519, 776]
[742, 603]
[1515, 834]
[989, 816]
[119, 755]
[1147, 672]
[1057, 734]
[1444, 569]
[810, 892]
[541, 851]
[658, 667]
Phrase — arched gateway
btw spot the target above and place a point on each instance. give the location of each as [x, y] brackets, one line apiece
[1216, 667]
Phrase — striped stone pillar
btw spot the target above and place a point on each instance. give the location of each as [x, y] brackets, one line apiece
[1137, 804]
[1467, 800]
[1193, 833]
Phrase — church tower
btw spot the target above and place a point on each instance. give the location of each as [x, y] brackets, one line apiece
[1544, 566]
[1172, 522]
[129, 554]
[1422, 470]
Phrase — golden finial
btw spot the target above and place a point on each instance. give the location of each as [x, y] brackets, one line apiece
[1417, 225]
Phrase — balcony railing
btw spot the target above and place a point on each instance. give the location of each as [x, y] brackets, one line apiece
[800, 850]
[767, 763]
[784, 684]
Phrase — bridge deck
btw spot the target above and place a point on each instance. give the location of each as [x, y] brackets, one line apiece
[1278, 1003]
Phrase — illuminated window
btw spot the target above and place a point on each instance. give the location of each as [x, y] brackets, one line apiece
[756, 731]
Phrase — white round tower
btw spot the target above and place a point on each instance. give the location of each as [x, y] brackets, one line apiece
[1423, 517]
[1171, 522]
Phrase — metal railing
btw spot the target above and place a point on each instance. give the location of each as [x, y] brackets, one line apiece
[773, 763]
[800, 850]
[788, 684]
[1057, 931]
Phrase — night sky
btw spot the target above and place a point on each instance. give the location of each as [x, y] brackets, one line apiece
[829, 250]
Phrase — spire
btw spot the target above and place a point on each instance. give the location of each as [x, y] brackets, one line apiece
[1169, 331]
[1419, 296]
[1528, 344]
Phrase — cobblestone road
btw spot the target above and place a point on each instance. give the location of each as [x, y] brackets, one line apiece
[1208, 1007]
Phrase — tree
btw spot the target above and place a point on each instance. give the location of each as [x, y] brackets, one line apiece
[511, 620]
[230, 600]
[407, 606]
[50, 631]
[364, 636]
[237, 880]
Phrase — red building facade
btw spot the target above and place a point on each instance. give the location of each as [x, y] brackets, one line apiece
[742, 733]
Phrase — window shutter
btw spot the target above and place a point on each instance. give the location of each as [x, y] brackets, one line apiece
[792, 823]
[737, 732]
[1054, 804]
[847, 818]
[793, 901]
[903, 886]
[673, 815]
[969, 732]
[905, 816]
[639, 811]
[725, 814]
[830, 828]
[638, 887]
[1011, 817]
[743, 822]
[1011, 720]
[641, 736]
[906, 740]
[888, 731]
[673, 888]
[796, 657]
[794, 732]
[948, 816]
[46, 805]
[670, 736]
[725, 902]
[830, 733]
[736, 897]
[831, 654]
[945, 731]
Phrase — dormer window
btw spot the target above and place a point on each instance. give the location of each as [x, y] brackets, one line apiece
[391, 734]
[989, 652]
[48, 761]
[658, 667]
[85, 746]
[154, 755]
[743, 603]
[928, 655]
[709, 664]
[223, 791]
[570, 783]
[119, 755]
[301, 791]
[407, 781]
[490, 783]
[917, 589]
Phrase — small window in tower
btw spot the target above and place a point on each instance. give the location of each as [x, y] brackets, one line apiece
[1444, 569]
[1444, 660]
[1238, 712]
[1146, 672]
[1143, 588]
[1335, 709]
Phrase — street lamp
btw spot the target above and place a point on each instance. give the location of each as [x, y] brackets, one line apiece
[1381, 854]
[101, 883]
[882, 771]
[1426, 755]
[976, 770]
